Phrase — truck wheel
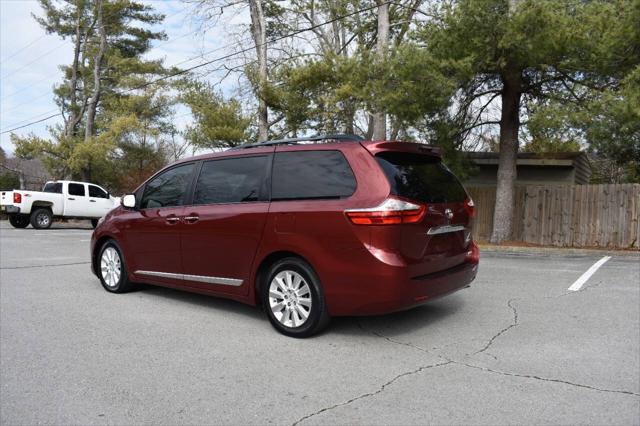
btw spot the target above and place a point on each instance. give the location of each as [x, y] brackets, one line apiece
[94, 223]
[41, 218]
[19, 220]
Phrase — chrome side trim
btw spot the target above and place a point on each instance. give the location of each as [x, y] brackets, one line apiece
[199, 278]
[213, 280]
[160, 274]
[444, 229]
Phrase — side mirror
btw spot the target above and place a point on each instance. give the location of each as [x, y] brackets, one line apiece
[129, 201]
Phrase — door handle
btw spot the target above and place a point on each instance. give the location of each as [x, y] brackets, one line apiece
[70, 198]
[192, 218]
[92, 201]
[172, 219]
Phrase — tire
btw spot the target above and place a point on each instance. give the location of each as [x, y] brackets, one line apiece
[41, 218]
[19, 220]
[111, 269]
[94, 223]
[297, 286]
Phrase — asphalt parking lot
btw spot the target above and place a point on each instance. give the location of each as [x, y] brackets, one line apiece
[516, 347]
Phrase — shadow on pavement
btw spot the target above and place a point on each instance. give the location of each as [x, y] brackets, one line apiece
[432, 314]
[212, 302]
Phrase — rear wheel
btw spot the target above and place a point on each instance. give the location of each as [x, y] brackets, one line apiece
[112, 270]
[19, 220]
[41, 218]
[94, 223]
[293, 298]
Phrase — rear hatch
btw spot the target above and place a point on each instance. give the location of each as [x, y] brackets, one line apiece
[440, 239]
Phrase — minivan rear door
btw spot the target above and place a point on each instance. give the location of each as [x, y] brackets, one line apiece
[440, 240]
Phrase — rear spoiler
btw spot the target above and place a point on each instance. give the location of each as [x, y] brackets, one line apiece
[375, 147]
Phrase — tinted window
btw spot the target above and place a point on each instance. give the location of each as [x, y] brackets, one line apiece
[76, 189]
[233, 180]
[311, 174]
[53, 187]
[421, 178]
[96, 192]
[168, 188]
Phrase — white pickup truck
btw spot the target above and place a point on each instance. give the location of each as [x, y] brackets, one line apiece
[61, 198]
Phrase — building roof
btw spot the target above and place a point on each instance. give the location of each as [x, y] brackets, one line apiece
[579, 161]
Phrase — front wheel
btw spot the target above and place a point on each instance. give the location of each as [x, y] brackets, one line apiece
[293, 298]
[41, 218]
[112, 270]
[94, 223]
[19, 220]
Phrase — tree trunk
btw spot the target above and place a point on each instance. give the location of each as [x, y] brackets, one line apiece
[97, 74]
[72, 121]
[507, 173]
[380, 117]
[260, 40]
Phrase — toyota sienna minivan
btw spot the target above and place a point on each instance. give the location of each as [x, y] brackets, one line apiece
[306, 228]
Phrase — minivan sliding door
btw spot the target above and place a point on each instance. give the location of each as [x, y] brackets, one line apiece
[224, 225]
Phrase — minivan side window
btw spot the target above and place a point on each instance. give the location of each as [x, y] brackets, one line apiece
[97, 192]
[168, 189]
[308, 175]
[231, 180]
[76, 189]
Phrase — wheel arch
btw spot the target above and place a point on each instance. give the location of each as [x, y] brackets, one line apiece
[96, 250]
[266, 263]
[42, 205]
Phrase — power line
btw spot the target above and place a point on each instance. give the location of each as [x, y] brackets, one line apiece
[4, 111]
[23, 48]
[30, 124]
[221, 58]
[62, 44]
[247, 49]
[34, 61]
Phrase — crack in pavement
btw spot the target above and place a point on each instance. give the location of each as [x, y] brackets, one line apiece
[370, 394]
[545, 379]
[504, 330]
[504, 373]
[45, 266]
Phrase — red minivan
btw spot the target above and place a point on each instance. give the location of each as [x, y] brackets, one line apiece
[308, 228]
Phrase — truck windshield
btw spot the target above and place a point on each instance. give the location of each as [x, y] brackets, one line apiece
[55, 187]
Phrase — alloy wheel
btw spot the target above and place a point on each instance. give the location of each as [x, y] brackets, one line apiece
[110, 267]
[290, 298]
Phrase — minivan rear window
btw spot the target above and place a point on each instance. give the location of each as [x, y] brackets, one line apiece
[420, 178]
[308, 175]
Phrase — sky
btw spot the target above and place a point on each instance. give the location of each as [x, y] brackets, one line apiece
[30, 59]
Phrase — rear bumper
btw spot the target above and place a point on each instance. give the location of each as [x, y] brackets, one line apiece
[397, 292]
[10, 209]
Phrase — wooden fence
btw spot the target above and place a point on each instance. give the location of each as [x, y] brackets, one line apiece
[567, 215]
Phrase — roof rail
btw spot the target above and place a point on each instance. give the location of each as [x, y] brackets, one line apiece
[294, 141]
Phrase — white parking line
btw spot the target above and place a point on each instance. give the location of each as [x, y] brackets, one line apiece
[585, 277]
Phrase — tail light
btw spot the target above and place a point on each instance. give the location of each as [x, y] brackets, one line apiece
[391, 211]
[17, 197]
[473, 253]
[470, 207]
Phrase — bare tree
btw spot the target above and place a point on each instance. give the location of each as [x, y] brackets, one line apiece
[259, 32]
[382, 45]
[97, 74]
